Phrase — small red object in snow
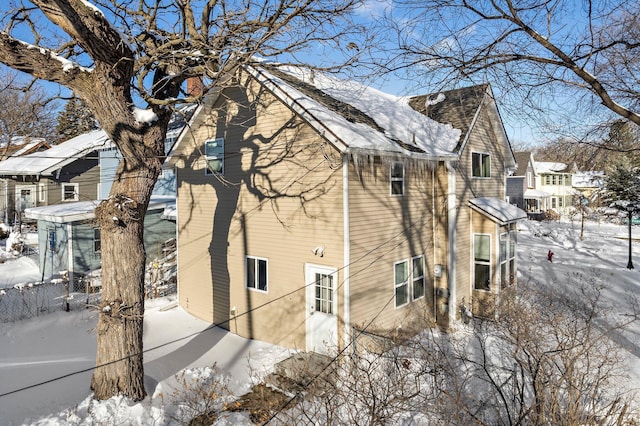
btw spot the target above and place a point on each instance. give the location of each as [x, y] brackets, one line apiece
[550, 256]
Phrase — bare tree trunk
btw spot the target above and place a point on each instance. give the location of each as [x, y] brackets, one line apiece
[119, 358]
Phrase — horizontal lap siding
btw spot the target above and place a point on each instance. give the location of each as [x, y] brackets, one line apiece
[281, 200]
[385, 229]
[482, 139]
[195, 205]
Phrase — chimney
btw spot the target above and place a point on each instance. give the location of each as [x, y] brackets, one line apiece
[195, 87]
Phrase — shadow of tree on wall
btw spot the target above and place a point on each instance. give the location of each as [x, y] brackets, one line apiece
[266, 166]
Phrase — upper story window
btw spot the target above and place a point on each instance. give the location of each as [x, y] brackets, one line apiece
[480, 165]
[70, 192]
[529, 180]
[214, 156]
[397, 179]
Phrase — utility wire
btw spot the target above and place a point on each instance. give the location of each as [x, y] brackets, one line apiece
[210, 327]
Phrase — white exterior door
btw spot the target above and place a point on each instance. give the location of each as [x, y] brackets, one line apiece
[25, 197]
[322, 306]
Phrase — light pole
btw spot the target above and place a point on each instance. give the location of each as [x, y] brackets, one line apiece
[630, 208]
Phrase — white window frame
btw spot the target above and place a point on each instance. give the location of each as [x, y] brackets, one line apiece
[254, 262]
[399, 284]
[394, 179]
[213, 157]
[415, 278]
[503, 259]
[410, 283]
[76, 194]
[485, 168]
[512, 252]
[529, 179]
[42, 192]
[481, 262]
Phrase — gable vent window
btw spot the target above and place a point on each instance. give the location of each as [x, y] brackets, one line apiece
[214, 156]
[397, 179]
[480, 165]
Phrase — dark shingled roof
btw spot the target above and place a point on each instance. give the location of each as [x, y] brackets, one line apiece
[458, 108]
[349, 112]
[522, 158]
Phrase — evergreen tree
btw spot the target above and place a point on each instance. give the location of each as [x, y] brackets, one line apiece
[622, 183]
[75, 119]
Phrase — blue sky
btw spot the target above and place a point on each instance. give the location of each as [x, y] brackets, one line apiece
[518, 130]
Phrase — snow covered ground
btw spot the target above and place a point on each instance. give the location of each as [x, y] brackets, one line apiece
[18, 269]
[41, 349]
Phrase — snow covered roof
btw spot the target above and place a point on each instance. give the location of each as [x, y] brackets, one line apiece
[63, 213]
[56, 157]
[536, 194]
[84, 210]
[22, 146]
[591, 179]
[170, 212]
[501, 211]
[355, 117]
[550, 167]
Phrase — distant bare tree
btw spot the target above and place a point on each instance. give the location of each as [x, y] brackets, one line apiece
[620, 140]
[578, 61]
[27, 112]
[128, 60]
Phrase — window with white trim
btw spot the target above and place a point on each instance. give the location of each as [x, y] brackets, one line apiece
[214, 156]
[417, 281]
[529, 180]
[482, 261]
[480, 164]
[70, 192]
[513, 244]
[397, 179]
[324, 293]
[257, 275]
[401, 283]
[409, 280]
[42, 192]
[508, 258]
[504, 272]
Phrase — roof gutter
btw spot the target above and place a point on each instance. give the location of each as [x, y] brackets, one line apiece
[413, 155]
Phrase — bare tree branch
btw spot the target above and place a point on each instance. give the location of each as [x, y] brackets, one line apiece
[534, 51]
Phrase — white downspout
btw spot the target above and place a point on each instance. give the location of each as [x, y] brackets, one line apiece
[346, 249]
[435, 243]
[452, 213]
[70, 254]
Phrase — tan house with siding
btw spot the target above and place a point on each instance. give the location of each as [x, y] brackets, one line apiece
[310, 208]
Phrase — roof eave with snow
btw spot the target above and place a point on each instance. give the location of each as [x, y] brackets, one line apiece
[85, 210]
[46, 163]
[498, 210]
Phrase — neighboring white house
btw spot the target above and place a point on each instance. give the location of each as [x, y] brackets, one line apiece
[556, 179]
